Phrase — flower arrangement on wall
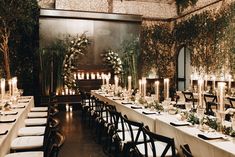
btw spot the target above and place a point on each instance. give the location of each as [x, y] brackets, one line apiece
[77, 47]
[113, 60]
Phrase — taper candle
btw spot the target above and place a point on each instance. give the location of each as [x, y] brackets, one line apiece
[166, 88]
[2, 88]
[157, 90]
[221, 87]
[129, 83]
[200, 83]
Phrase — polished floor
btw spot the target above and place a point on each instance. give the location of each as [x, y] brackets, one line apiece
[80, 140]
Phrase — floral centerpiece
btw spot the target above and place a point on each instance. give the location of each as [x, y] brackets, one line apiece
[113, 60]
[77, 47]
[155, 105]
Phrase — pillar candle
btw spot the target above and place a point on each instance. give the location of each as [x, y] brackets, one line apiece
[213, 82]
[87, 76]
[166, 88]
[229, 83]
[205, 82]
[221, 86]
[107, 80]
[157, 90]
[2, 88]
[129, 83]
[200, 83]
[140, 86]
[74, 76]
[14, 85]
[191, 82]
[115, 83]
[144, 86]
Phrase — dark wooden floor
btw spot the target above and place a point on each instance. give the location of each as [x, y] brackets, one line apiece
[80, 140]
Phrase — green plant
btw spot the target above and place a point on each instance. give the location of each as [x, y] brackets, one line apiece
[192, 118]
[130, 53]
[183, 4]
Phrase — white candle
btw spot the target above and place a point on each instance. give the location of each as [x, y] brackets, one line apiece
[229, 83]
[2, 88]
[82, 75]
[221, 86]
[74, 76]
[140, 86]
[66, 91]
[129, 83]
[14, 85]
[200, 83]
[92, 76]
[87, 76]
[107, 80]
[213, 82]
[103, 78]
[10, 86]
[115, 83]
[144, 86]
[157, 90]
[191, 82]
[205, 82]
[62, 92]
[166, 88]
[97, 75]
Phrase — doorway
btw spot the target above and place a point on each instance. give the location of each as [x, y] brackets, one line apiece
[184, 69]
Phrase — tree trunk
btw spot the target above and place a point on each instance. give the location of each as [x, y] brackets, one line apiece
[5, 49]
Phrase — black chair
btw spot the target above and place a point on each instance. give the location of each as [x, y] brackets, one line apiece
[135, 129]
[186, 150]
[155, 145]
[59, 140]
[232, 102]
[189, 97]
[210, 101]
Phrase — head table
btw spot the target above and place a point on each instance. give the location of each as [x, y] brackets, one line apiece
[16, 117]
[160, 123]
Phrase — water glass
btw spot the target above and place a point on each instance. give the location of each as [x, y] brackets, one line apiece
[188, 106]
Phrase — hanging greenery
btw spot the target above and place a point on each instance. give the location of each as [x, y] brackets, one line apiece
[157, 50]
[209, 36]
[183, 4]
[77, 48]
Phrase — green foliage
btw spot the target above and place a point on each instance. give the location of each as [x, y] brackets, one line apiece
[130, 54]
[157, 50]
[52, 54]
[183, 4]
[21, 18]
[192, 118]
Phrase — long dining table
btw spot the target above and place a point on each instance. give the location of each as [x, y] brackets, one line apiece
[160, 123]
[12, 120]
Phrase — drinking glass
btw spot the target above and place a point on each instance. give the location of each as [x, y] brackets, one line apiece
[188, 106]
[200, 114]
[233, 122]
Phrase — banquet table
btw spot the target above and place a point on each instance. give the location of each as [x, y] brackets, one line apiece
[160, 123]
[19, 113]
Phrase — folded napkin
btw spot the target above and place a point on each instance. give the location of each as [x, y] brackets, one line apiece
[117, 98]
[9, 113]
[7, 120]
[3, 132]
[18, 106]
[108, 95]
[136, 107]
[210, 136]
[179, 123]
[23, 101]
[148, 112]
[126, 102]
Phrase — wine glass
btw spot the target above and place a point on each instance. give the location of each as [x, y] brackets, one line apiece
[200, 114]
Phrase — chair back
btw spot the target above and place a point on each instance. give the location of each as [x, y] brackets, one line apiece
[189, 97]
[210, 100]
[149, 141]
[186, 150]
[232, 101]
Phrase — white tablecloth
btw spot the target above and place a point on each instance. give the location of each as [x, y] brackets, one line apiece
[182, 134]
[5, 140]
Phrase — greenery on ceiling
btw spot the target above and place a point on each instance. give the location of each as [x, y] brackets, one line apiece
[19, 40]
[210, 37]
[183, 4]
